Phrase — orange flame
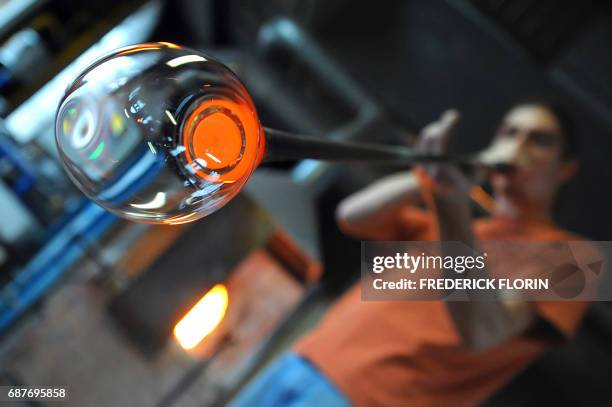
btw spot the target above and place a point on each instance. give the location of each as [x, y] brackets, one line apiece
[203, 318]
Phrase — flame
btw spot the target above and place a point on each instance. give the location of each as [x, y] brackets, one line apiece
[203, 318]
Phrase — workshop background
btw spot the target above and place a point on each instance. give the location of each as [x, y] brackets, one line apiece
[90, 302]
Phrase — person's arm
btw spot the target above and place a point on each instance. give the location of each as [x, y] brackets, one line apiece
[371, 213]
[481, 325]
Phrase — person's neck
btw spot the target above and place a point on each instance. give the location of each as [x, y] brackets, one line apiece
[531, 212]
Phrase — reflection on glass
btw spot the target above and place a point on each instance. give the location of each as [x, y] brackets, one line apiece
[158, 133]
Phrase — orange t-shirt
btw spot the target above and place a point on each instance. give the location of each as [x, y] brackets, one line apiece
[408, 353]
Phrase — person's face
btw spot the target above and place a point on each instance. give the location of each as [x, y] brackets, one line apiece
[536, 141]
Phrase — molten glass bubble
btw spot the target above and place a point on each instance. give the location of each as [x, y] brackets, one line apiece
[159, 133]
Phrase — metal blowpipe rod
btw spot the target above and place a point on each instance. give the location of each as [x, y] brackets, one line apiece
[284, 146]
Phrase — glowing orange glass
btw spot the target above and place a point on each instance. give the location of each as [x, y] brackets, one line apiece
[223, 140]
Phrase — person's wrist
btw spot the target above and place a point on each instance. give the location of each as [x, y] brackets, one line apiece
[454, 218]
[449, 195]
[457, 203]
[426, 184]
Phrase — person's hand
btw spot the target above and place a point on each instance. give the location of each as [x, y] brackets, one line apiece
[443, 180]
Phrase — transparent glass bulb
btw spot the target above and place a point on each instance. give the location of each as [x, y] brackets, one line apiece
[159, 133]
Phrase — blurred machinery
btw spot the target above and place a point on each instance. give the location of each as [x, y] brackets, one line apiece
[147, 277]
[47, 224]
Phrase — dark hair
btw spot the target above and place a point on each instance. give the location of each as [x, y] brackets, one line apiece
[571, 148]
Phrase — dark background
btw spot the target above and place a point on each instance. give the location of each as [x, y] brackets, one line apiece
[417, 58]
